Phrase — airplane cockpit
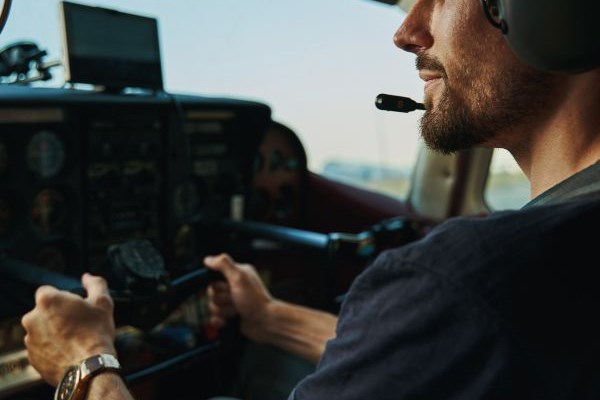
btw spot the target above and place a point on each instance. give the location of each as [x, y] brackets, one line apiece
[136, 138]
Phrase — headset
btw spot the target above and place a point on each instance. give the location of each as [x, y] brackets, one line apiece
[560, 36]
[550, 35]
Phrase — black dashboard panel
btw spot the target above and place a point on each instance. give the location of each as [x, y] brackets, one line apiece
[80, 171]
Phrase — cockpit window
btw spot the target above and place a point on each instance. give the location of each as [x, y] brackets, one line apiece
[507, 186]
[318, 64]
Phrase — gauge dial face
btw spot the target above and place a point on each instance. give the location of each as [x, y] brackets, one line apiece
[45, 154]
[49, 211]
[5, 217]
[3, 158]
[67, 386]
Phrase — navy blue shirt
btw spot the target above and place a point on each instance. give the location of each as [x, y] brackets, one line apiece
[501, 307]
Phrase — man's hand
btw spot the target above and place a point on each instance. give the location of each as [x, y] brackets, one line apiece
[294, 328]
[63, 329]
[243, 293]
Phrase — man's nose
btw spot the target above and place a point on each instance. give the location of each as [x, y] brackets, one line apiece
[414, 34]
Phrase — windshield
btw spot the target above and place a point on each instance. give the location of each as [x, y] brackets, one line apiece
[317, 63]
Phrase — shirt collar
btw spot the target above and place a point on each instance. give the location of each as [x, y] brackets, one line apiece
[583, 184]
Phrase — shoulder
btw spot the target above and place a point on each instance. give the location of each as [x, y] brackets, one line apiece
[484, 292]
[495, 261]
[462, 244]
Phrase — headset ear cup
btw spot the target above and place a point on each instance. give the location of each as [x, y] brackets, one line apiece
[554, 35]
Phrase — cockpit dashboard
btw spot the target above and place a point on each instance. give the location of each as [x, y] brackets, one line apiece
[81, 171]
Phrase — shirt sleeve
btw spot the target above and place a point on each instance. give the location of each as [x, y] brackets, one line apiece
[405, 333]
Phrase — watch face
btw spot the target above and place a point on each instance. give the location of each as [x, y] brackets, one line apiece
[67, 386]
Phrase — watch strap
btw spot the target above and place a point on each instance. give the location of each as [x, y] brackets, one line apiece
[99, 363]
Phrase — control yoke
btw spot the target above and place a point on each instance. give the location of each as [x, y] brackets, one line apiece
[365, 244]
[143, 292]
[144, 295]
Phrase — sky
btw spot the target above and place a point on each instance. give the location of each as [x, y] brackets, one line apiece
[317, 63]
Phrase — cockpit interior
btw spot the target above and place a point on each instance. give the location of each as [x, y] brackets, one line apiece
[113, 162]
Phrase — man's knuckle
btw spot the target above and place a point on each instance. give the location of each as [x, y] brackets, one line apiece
[224, 258]
[26, 321]
[45, 296]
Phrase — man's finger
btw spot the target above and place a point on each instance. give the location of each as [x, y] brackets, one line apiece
[222, 312]
[27, 321]
[224, 264]
[97, 291]
[219, 286]
[217, 322]
[222, 299]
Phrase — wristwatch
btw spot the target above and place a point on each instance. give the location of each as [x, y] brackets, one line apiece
[75, 382]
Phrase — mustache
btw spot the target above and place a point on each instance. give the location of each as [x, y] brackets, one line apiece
[426, 61]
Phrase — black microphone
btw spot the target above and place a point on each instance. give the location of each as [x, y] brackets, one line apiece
[388, 102]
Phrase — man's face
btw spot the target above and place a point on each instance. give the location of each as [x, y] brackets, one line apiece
[476, 91]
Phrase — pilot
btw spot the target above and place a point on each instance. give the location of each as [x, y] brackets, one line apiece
[502, 307]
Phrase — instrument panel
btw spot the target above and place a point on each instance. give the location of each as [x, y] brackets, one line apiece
[82, 171]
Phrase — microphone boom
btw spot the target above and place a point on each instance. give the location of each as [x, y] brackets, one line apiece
[388, 102]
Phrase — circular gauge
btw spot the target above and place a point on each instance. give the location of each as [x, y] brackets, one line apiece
[45, 154]
[3, 159]
[51, 258]
[186, 201]
[5, 217]
[48, 212]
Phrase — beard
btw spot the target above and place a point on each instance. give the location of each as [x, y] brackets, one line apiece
[487, 106]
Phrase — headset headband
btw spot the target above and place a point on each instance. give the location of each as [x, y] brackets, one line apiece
[551, 35]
